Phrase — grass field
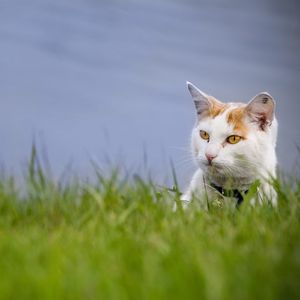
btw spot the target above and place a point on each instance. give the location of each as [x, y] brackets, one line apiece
[120, 239]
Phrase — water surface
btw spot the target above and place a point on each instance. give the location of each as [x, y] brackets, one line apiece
[97, 79]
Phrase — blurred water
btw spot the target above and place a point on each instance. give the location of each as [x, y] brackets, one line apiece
[91, 79]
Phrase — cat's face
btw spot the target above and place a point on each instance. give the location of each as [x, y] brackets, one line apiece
[231, 139]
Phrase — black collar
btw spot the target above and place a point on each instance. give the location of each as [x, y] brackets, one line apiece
[231, 193]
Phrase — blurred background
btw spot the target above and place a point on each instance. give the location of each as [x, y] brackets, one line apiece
[105, 80]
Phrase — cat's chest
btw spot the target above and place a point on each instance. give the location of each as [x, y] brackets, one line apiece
[241, 182]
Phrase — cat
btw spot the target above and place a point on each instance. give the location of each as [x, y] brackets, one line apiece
[234, 146]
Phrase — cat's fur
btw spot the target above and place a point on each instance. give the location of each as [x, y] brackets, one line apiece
[234, 166]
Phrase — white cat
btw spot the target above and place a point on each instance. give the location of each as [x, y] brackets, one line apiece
[233, 145]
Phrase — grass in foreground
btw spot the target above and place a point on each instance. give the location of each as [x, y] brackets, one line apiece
[120, 240]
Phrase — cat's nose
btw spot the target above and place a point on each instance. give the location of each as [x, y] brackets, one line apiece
[210, 157]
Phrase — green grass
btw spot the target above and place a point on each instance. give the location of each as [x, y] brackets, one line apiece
[120, 239]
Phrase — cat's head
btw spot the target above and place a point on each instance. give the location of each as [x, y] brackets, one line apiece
[233, 138]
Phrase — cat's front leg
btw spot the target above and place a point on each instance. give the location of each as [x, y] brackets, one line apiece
[195, 190]
[185, 199]
[267, 192]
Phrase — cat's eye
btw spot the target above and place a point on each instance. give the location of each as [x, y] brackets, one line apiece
[233, 139]
[204, 135]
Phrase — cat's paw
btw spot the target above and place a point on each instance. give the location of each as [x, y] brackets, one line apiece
[185, 200]
[186, 197]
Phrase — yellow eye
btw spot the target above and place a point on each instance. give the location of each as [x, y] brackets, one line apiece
[233, 139]
[204, 135]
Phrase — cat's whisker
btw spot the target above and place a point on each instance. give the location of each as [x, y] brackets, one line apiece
[185, 149]
[248, 162]
[186, 162]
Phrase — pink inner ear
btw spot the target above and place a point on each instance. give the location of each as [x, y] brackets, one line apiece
[201, 101]
[202, 106]
[261, 110]
[261, 119]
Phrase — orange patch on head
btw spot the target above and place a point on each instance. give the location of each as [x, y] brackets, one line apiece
[216, 107]
[236, 118]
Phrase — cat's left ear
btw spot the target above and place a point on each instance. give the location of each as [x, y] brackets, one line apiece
[261, 109]
[201, 100]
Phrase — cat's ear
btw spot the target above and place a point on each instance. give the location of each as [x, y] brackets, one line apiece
[261, 109]
[201, 100]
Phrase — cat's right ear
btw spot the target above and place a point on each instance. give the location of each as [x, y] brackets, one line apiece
[261, 110]
[201, 100]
